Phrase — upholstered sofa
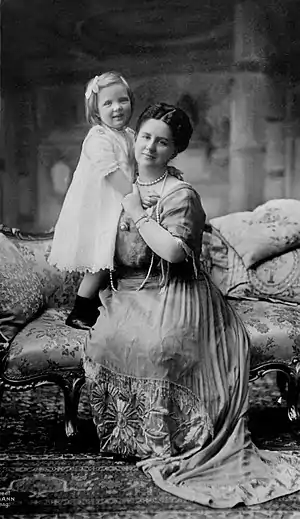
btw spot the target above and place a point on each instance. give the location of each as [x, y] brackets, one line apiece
[37, 348]
[254, 258]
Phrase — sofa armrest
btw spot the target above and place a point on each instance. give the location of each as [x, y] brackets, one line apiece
[59, 288]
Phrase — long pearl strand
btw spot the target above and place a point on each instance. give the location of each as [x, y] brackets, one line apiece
[114, 289]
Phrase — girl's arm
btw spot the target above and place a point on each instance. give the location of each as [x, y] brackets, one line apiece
[99, 150]
[120, 182]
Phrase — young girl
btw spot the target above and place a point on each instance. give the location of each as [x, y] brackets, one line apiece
[85, 233]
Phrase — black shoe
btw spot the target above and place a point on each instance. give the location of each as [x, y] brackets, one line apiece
[84, 314]
[80, 324]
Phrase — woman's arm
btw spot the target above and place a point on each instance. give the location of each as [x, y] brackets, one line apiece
[157, 238]
[161, 241]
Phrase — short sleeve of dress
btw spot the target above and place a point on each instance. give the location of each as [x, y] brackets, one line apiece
[99, 150]
[182, 214]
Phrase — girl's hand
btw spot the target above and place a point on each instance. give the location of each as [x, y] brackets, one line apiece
[132, 203]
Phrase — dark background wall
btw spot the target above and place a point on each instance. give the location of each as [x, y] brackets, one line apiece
[233, 66]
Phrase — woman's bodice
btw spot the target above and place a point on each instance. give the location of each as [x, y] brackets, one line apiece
[131, 249]
[180, 213]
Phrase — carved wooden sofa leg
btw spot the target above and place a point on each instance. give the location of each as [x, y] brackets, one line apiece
[288, 381]
[70, 381]
[71, 384]
[292, 394]
[2, 389]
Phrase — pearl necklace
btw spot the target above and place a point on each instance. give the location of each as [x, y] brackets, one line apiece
[159, 179]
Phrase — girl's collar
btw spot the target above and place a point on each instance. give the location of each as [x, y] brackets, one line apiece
[122, 130]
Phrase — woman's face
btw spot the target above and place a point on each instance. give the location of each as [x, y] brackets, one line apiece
[154, 144]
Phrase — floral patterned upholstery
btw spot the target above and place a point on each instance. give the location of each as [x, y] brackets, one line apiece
[277, 278]
[45, 345]
[266, 296]
[274, 329]
[269, 230]
[224, 265]
[21, 294]
[59, 288]
[41, 347]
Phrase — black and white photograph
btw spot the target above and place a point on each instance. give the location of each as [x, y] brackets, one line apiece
[150, 259]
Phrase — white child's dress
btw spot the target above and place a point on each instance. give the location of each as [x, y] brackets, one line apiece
[85, 233]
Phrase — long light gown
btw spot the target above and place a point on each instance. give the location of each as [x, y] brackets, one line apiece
[167, 370]
[85, 232]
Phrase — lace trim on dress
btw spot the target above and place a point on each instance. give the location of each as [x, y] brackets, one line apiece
[143, 416]
[93, 269]
[114, 167]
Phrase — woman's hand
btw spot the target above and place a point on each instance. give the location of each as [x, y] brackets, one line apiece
[150, 200]
[132, 203]
[157, 238]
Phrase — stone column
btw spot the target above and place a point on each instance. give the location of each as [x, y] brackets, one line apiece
[20, 151]
[249, 106]
[10, 199]
[1, 132]
[26, 153]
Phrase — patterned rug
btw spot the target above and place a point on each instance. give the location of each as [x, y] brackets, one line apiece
[42, 474]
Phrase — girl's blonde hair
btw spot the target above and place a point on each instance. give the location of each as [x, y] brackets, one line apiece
[93, 88]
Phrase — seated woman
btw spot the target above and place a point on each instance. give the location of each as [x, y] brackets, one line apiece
[167, 362]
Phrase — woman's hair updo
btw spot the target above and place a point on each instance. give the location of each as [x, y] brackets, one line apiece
[174, 117]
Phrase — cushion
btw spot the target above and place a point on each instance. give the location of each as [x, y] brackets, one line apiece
[271, 229]
[274, 329]
[45, 345]
[277, 278]
[231, 228]
[21, 294]
[36, 252]
[225, 267]
[66, 291]
[59, 288]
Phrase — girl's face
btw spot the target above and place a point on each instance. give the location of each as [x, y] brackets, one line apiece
[114, 106]
[154, 144]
